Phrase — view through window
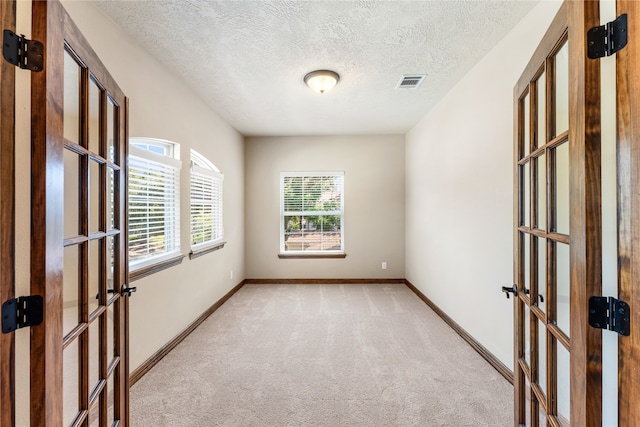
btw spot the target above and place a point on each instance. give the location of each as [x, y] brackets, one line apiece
[312, 212]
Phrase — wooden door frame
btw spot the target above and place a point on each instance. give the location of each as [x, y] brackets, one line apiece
[47, 215]
[628, 151]
[586, 215]
[7, 218]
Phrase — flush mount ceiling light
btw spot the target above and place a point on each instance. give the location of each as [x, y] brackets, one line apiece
[321, 80]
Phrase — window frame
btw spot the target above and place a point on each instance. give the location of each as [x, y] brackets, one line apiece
[336, 253]
[141, 149]
[200, 165]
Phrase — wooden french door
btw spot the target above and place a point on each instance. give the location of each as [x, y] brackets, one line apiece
[79, 372]
[558, 233]
[542, 234]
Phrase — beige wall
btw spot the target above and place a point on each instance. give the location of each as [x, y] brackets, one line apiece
[161, 107]
[459, 191]
[374, 204]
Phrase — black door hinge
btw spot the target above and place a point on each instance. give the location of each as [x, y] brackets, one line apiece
[610, 313]
[24, 53]
[20, 312]
[606, 40]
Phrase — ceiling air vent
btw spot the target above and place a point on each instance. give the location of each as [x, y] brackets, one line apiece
[410, 81]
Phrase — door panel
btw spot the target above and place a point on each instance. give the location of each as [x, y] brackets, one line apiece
[557, 197]
[79, 359]
[586, 218]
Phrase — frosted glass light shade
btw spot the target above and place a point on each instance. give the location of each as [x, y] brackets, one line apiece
[321, 80]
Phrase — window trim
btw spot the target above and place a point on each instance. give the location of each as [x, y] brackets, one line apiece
[159, 265]
[155, 263]
[311, 255]
[338, 253]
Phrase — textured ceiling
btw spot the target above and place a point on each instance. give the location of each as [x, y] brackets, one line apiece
[247, 59]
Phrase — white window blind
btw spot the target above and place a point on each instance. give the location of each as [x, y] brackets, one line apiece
[206, 205]
[154, 206]
[312, 212]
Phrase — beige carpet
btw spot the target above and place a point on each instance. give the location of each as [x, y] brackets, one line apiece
[322, 355]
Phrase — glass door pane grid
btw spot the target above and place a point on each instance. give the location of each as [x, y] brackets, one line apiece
[541, 404]
[93, 395]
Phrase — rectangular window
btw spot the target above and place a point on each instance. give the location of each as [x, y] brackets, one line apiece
[312, 212]
[154, 202]
[206, 203]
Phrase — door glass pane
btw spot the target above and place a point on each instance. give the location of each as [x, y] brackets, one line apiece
[562, 188]
[70, 287]
[110, 260]
[562, 89]
[541, 163]
[110, 334]
[72, 73]
[94, 196]
[71, 383]
[94, 351]
[111, 114]
[71, 193]
[94, 117]
[527, 335]
[543, 418]
[564, 385]
[94, 275]
[111, 177]
[526, 259]
[563, 273]
[527, 127]
[110, 401]
[542, 274]
[542, 111]
[542, 356]
[527, 390]
[94, 414]
[527, 195]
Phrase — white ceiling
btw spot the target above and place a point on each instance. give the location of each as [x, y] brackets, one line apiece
[247, 59]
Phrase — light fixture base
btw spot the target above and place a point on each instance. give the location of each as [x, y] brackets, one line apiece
[322, 80]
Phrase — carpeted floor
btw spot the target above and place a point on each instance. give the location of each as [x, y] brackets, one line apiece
[322, 355]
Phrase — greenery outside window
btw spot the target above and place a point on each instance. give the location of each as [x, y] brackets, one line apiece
[312, 213]
[154, 202]
[207, 231]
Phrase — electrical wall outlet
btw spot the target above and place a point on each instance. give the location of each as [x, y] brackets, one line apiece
[384, 265]
[231, 275]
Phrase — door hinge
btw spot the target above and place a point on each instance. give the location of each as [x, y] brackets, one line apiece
[607, 39]
[22, 52]
[610, 313]
[20, 312]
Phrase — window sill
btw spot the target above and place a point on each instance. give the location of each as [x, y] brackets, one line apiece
[154, 268]
[311, 256]
[198, 252]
